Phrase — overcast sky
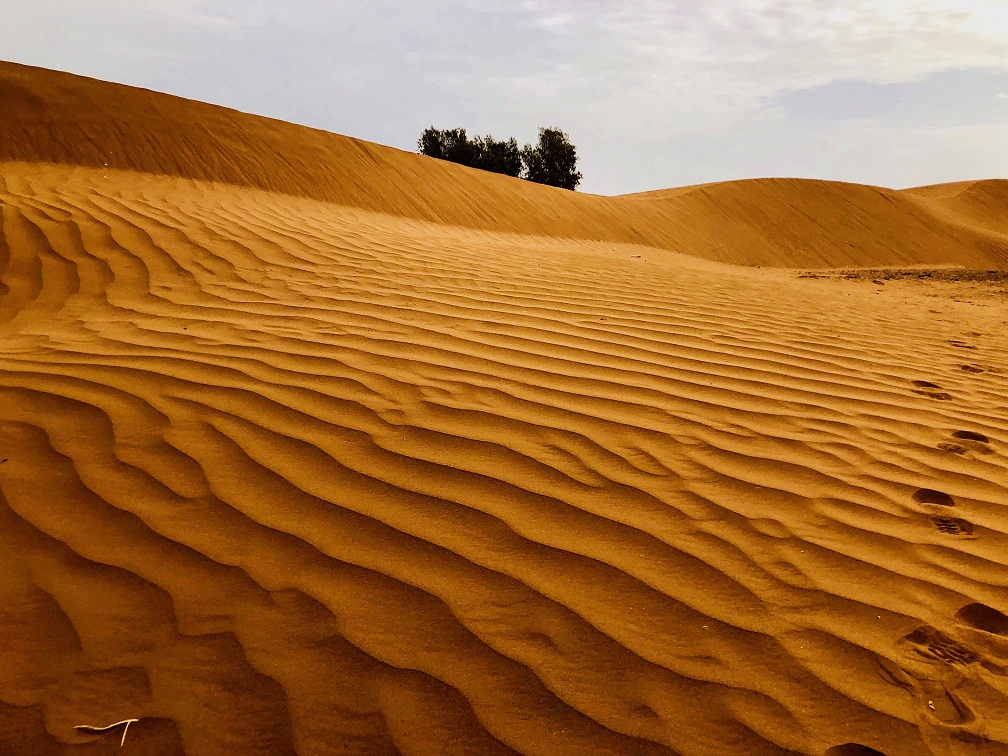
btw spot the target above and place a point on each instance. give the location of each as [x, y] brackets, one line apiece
[654, 93]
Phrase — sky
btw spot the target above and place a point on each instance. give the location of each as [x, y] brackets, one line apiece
[653, 93]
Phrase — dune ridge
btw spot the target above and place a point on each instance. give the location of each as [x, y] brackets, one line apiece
[65, 119]
[281, 474]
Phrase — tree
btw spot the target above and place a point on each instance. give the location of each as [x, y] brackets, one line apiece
[500, 157]
[552, 161]
[485, 153]
[449, 144]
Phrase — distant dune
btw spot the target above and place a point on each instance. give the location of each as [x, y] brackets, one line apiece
[313, 446]
[70, 120]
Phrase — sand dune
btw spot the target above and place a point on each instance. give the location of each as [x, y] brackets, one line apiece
[59, 118]
[314, 446]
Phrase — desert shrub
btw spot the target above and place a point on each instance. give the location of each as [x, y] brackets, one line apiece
[500, 157]
[552, 161]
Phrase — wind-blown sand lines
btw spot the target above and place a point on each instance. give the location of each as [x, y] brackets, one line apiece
[286, 470]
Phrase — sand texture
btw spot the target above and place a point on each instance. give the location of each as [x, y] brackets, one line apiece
[313, 446]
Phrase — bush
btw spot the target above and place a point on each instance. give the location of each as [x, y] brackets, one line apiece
[450, 144]
[500, 157]
[552, 161]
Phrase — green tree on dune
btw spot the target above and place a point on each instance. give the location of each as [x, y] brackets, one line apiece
[500, 157]
[450, 144]
[552, 161]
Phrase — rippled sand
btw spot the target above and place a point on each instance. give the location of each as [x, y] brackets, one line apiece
[468, 465]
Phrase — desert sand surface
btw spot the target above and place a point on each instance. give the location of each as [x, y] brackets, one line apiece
[314, 446]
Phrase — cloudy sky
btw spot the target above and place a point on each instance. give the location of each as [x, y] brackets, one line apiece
[654, 93]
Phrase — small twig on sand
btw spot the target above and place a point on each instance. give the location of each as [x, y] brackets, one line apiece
[106, 728]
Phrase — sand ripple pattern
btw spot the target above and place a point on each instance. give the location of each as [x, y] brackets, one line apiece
[287, 477]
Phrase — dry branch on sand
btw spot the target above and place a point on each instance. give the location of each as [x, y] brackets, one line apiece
[108, 728]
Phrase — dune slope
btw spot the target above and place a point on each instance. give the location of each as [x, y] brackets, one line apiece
[60, 118]
[281, 474]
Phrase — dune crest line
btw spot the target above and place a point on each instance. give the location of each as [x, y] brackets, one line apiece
[60, 118]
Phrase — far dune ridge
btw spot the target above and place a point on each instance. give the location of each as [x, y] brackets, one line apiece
[313, 446]
[60, 118]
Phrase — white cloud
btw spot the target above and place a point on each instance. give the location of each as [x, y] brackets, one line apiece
[690, 64]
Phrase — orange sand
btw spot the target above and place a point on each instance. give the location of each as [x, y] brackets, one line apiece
[315, 446]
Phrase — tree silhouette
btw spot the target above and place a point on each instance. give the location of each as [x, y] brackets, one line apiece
[500, 157]
[449, 144]
[552, 161]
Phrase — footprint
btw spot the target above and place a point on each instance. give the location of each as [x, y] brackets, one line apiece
[953, 674]
[971, 436]
[966, 441]
[972, 368]
[987, 629]
[927, 388]
[961, 344]
[934, 645]
[985, 618]
[953, 526]
[930, 496]
[853, 749]
[954, 448]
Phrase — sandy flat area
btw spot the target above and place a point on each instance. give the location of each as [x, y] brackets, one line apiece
[313, 446]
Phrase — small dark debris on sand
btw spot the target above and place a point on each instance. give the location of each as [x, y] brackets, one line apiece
[879, 275]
